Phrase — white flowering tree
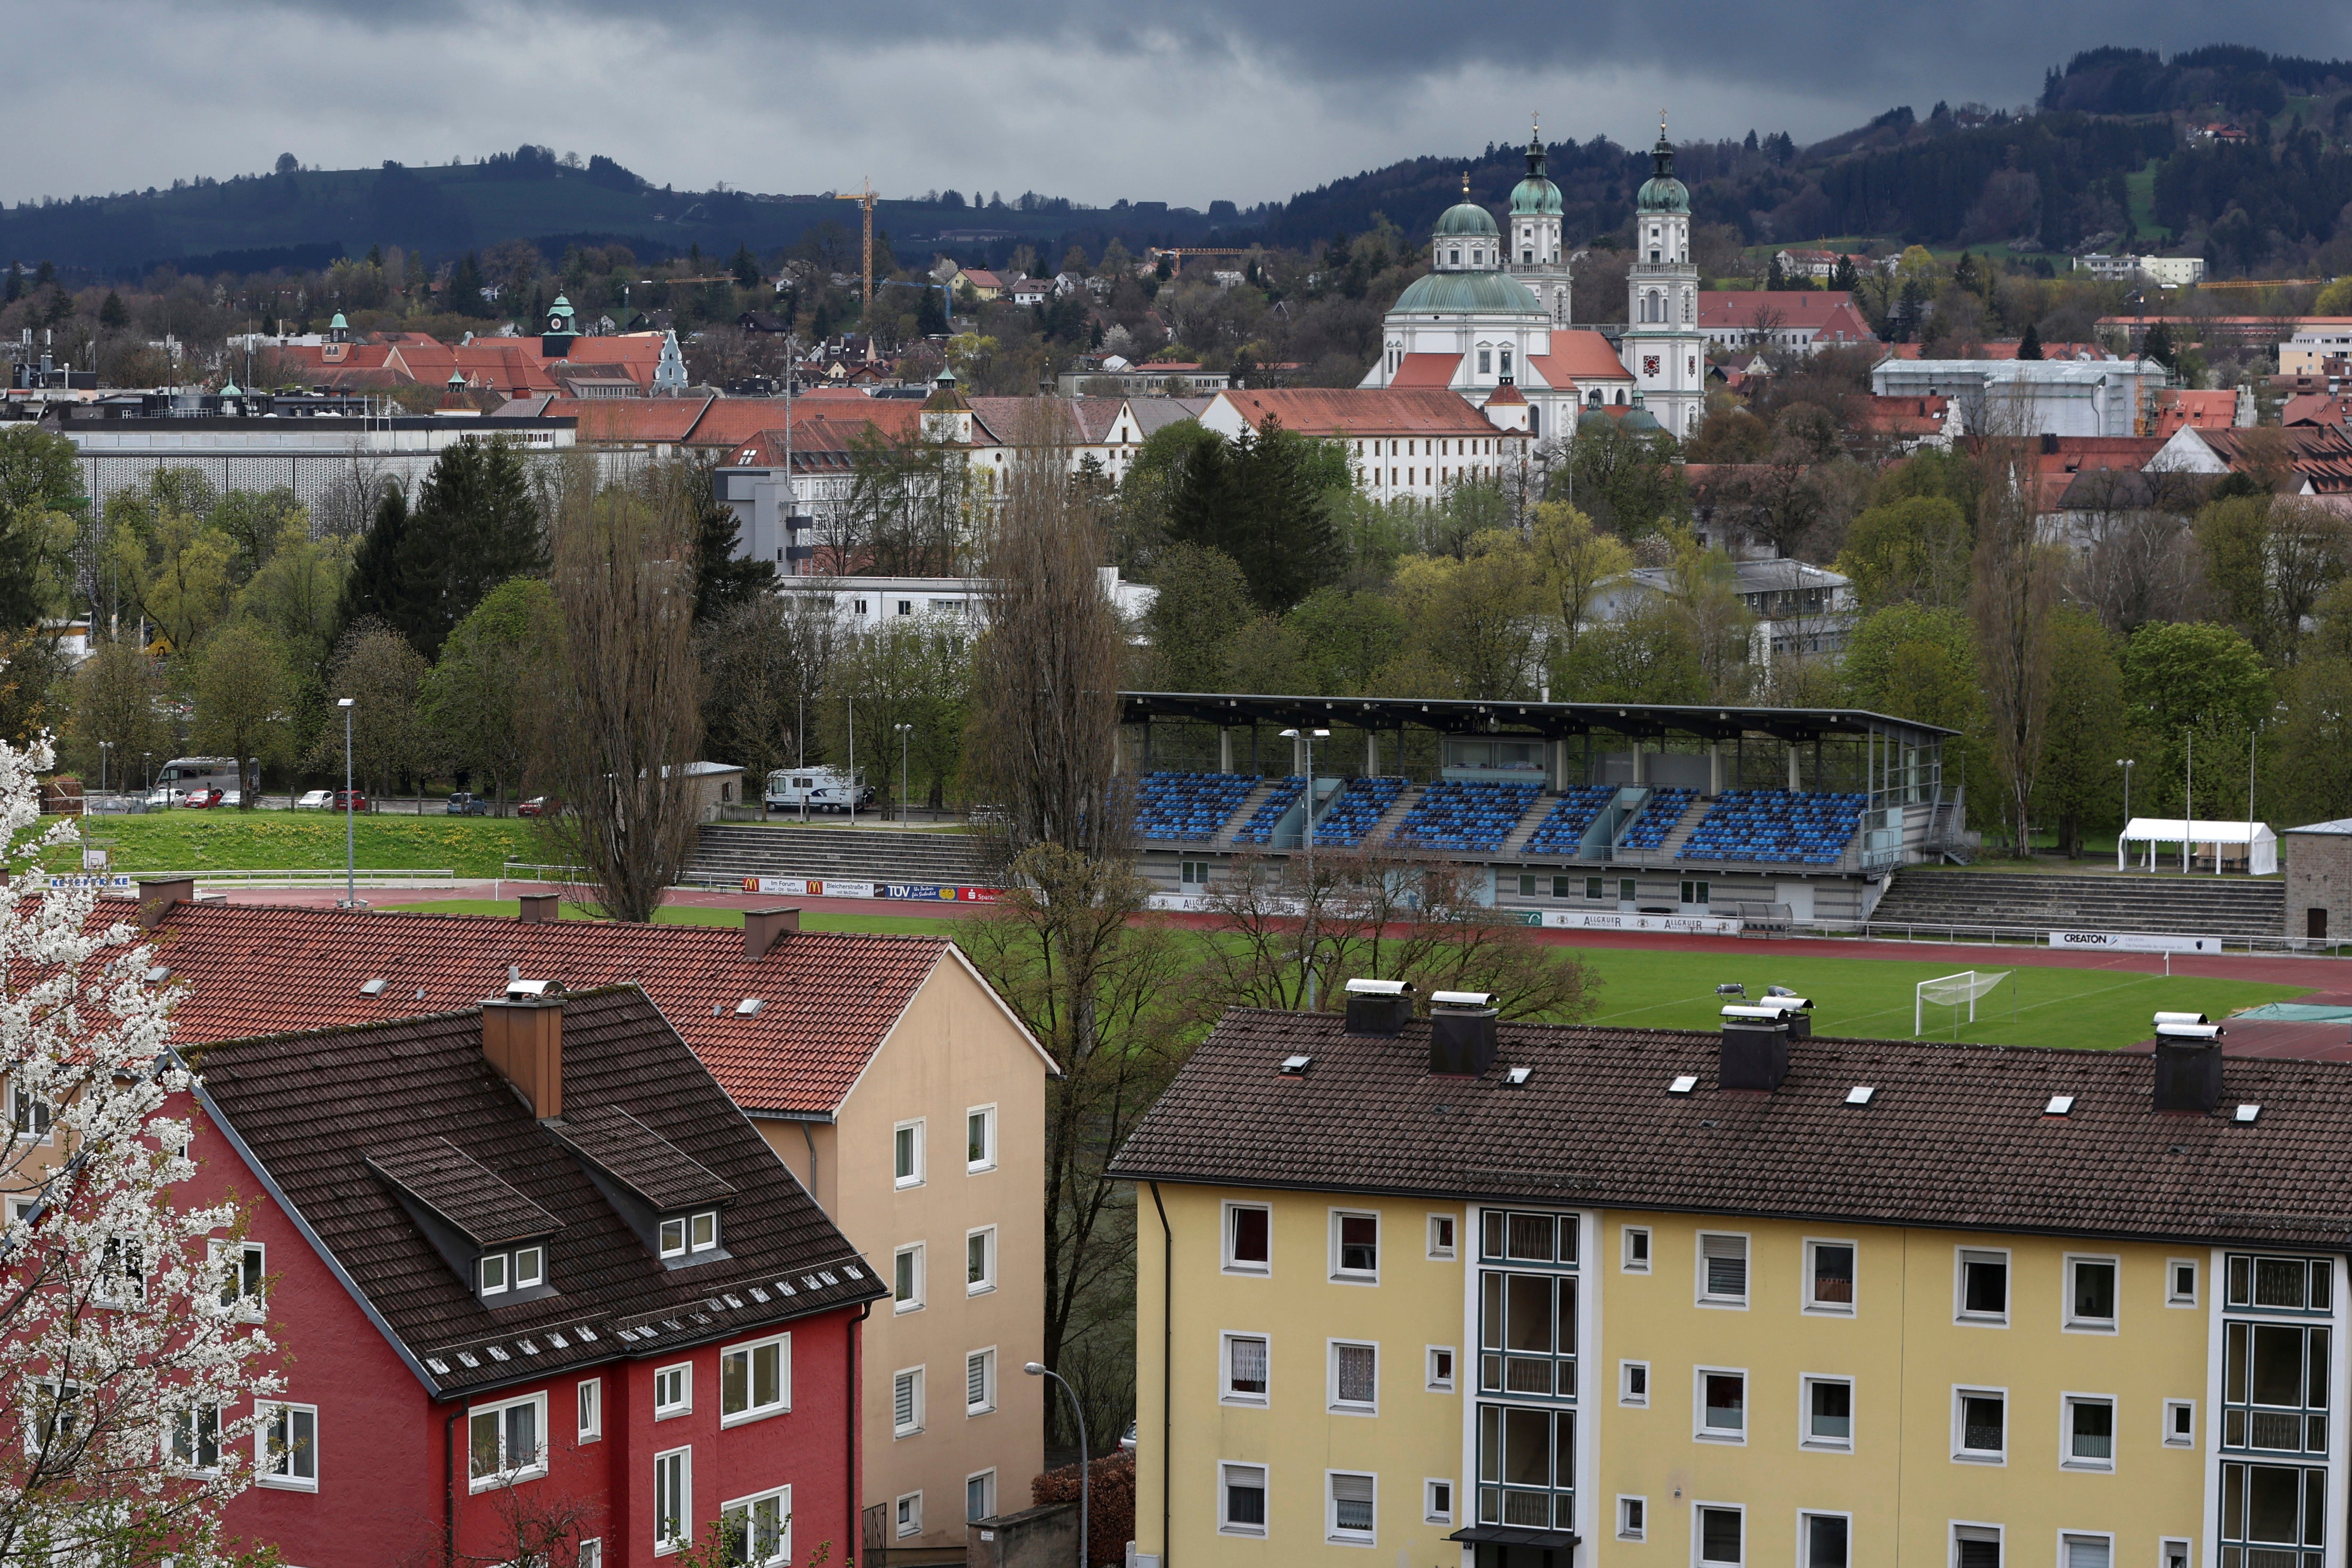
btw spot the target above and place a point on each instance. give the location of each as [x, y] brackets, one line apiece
[131, 1349]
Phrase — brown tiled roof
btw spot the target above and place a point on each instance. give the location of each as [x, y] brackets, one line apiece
[1953, 1135]
[1427, 371]
[1578, 357]
[310, 1110]
[1368, 411]
[830, 998]
[438, 1174]
[641, 1159]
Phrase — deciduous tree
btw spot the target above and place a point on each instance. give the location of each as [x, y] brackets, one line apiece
[242, 693]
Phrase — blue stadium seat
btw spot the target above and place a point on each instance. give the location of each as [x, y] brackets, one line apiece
[1346, 821]
[1657, 818]
[1563, 829]
[1259, 828]
[1791, 827]
[1188, 808]
[1468, 816]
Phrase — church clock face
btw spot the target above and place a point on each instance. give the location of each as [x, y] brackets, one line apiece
[1649, 364]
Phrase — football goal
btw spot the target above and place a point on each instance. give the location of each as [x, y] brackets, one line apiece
[1956, 991]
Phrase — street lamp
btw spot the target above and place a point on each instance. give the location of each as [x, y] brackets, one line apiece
[1310, 737]
[2125, 763]
[351, 887]
[252, 801]
[853, 760]
[904, 731]
[1085, 1454]
[103, 747]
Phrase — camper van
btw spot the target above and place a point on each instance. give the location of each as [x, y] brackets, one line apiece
[184, 777]
[817, 788]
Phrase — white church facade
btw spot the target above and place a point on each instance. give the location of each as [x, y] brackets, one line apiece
[1494, 312]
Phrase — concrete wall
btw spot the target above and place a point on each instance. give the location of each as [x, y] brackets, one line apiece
[2319, 878]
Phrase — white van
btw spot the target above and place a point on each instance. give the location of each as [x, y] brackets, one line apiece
[819, 789]
[186, 776]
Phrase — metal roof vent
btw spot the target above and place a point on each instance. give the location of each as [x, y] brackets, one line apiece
[1296, 1066]
[1461, 999]
[2058, 1105]
[748, 1007]
[519, 988]
[2162, 1019]
[374, 987]
[1860, 1094]
[2185, 1031]
[1462, 1041]
[1378, 1007]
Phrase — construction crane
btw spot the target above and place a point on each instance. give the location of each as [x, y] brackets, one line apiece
[864, 197]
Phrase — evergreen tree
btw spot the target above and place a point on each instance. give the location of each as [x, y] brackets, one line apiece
[1260, 500]
[15, 287]
[2030, 346]
[721, 583]
[1845, 277]
[931, 317]
[1774, 277]
[745, 266]
[374, 585]
[466, 287]
[113, 314]
[2156, 345]
[474, 526]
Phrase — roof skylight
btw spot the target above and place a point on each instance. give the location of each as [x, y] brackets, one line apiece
[749, 1007]
[1296, 1066]
[1860, 1093]
[2247, 1113]
[374, 987]
[2058, 1105]
[1684, 1084]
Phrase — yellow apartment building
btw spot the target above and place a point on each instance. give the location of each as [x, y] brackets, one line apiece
[1452, 1294]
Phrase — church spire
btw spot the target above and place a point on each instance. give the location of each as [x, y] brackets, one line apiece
[1662, 156]
[1535, 147]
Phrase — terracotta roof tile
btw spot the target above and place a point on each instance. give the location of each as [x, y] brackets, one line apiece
[1427, 371]
[1578, 357]
[1363, 411]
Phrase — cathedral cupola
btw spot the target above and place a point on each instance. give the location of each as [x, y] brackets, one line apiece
[1466, 239]
[1535, 197]
[1662, 193]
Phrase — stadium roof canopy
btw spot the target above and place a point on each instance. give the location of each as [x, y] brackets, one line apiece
[1549, 721]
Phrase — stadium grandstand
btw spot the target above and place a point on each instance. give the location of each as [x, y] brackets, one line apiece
[1578, 805]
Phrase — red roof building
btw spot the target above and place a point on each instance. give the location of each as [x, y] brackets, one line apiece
[1805, 319]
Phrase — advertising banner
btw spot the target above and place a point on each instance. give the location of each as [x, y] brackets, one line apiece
[2135, 942]
[1609, 920]
[86, 880]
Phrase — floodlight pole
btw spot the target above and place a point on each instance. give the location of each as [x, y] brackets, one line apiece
[351, 876]
[1309, 737]
[903, 729]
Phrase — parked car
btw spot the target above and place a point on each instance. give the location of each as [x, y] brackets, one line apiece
[540, 806]
[358, 800]
[315, 800]
[463, 804]
[198, 799]
[229, 800]
[167, 795]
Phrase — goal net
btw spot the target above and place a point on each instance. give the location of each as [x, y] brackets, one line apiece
[1953, 991]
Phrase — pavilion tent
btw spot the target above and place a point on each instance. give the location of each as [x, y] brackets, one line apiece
[2252, 841]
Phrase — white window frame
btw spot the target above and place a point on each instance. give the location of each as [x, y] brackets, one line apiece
[1963, 1455]
[2068, 1537]
[1806, 1438]
[1354, 1276]
[917, 1282]
[537, 1254]
[588, 1406]
[1331, 1400]
[1436, 1509]
[592, 1552]
[1701, 1296]
[486, 1266]
[749, 1350]
[1225, 1526]
[499, 1409]
[1699, 1537]
[21, 1108]
[1962, 1257]
[665, 1247]
[1447, 1379]
[684, 1404]
[986, 1115]
[2171, 1436]
[1813, 1303]
[987, 1406]
[906, 1515]
[1225, 1393]
[267, 1413]
[2067, 1402]
[2175, 1548]
[694, 1239]
[986, 1235]
[782, 1498]
[2000, 1534]
[665, 1544]
[1805, 1516]
[2172, 1296]
[1700, 1430]
[915, 1404]
[2068, 1321]
[1627, 1395]
[1627, 1262]
[1227, 1264]
[989, 1477]
[189, 1424]
[228, 1259]
[911, 1132]
[1332, 1534]
[1633, 1524]
[1447, 1249]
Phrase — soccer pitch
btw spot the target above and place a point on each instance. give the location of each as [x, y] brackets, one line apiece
[2089, 1008]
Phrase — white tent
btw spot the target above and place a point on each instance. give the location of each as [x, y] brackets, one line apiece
[2254, 842]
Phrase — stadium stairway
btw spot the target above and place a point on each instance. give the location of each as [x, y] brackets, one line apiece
[1679, 834]
[728, 852]
[1382, 831]
[1244, 812]
[1516, 840]
[2179, 906]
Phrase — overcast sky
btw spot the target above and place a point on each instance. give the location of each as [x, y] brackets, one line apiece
[1243, 99]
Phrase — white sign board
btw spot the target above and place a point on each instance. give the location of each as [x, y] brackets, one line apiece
[1609, 920]
[2134, 942]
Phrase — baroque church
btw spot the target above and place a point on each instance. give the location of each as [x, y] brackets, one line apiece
[1491, 320]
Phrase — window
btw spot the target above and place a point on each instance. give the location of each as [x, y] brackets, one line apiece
[1244, 1377]
[196, 1439]
[1248, 1237]
[1694, 892]
[1636, 1259]
[2280, 1507]
[1592, 887]
[29, 1113]
[2091, 1295]
[979, 1496]
[980, 1383]
[592, 1554]
[1824, 1540]
[1633, 1518]
[906, 606]
[1625, 890]
[1355, 1378]
[1829, 1413]
[757, 1530]
[1563, 887]
[1485, 362]
[1984, 1286]
[241, 1268]
[1241, 1499]
[906, 1279]
[285, 1444]
[2078, 1551]
[1829, 1277]
[2180, 1282]
[673, 1390]
[1723, 1406]
[2280, 1284]
[755, 1380]
[493, 1271]
[2274, 1386]
[673, 1238]
[1527, 1467]
[1527, 1333]
[1353, 1502]
[1436, 1503]
[1722, 1270]
[704, 1229]
[121, 1275]
[592, 1409]
[673, 1498]
[910, 1514]
[529, 1267]
[979, 1260]
[1441, 1247]
[1633, 1382]
[979, 1139]
[1719, 1532]
[2180, 1422]
[906, 1403]
[1355, 1246]
[2173, 1554]
[2090, 1433]
[1441, 1369]
[1976, 1546]
[906, 1154]
[1979, 1425]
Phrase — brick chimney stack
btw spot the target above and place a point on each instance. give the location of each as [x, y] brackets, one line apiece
[523, 1036]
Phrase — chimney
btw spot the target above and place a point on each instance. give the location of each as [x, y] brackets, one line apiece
[763, 928]
[156, 898]
[1378, 1007]
[1461, 1032]
[1755, 1049]
[538, 908]
[2188, 1063]
[523, 1036]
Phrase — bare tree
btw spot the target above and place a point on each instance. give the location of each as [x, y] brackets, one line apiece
[2016, 590]
[766, 665]
[624, 721]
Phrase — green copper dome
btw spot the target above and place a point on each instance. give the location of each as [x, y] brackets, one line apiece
[338, 324]
[562, 307]
[1466, 294]
[1662, 193]
[1467, 220]
[1535, 197]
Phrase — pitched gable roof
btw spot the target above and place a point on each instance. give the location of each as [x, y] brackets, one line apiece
[1363, 411]
[1577, 358]
[1427, 371]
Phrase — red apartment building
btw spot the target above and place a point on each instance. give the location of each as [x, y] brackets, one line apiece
[531, 1266]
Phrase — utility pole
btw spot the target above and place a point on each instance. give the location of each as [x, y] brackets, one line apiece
[864, 196]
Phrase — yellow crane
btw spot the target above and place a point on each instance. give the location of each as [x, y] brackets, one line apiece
[864, 197]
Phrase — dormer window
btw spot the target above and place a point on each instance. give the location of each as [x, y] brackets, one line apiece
[493, 1271]
[1454, 256]
[671, 1200]
[703, 1231]
[685, 1235]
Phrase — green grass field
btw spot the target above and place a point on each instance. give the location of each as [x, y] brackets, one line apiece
[297, 841]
